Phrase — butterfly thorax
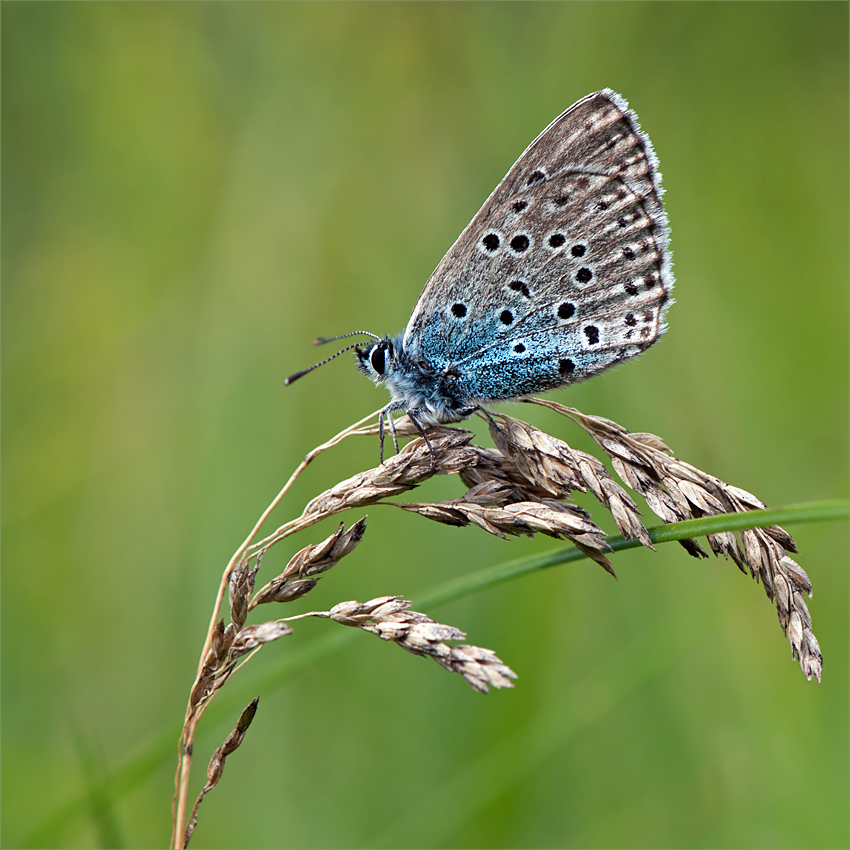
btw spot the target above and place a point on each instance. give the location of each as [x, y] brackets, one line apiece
[434, 393]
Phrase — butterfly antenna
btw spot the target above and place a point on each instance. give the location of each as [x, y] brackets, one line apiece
[304, 372]
[321, 340]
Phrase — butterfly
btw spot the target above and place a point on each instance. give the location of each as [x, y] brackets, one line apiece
[564, 272]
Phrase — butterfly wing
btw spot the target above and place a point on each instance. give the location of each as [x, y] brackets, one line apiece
[564, 271]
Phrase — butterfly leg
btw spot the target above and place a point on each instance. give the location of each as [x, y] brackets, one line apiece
[489, 417]
[485, 413]
[391, 423]
[411, 415]
[385, 413]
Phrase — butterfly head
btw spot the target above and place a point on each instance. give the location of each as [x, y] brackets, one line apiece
[386, 363]
[378, 360]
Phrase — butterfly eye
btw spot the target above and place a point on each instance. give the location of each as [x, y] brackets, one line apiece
[424, 366]
[376, 358]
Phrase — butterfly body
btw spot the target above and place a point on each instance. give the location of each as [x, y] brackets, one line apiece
[564, 272]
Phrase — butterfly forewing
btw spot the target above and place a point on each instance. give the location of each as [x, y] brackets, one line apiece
[564, 270]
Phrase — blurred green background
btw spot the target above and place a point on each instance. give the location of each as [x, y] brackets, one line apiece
[191, 193]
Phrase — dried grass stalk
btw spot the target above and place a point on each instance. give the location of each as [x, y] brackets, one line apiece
[522, 486]
[216, 765]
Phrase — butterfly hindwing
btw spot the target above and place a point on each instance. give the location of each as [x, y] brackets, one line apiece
[564, 270]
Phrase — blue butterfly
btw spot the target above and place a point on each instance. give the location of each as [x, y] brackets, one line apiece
[564, 271]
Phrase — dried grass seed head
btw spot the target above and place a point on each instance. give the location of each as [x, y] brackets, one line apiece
[293, 583]
[390, 618]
